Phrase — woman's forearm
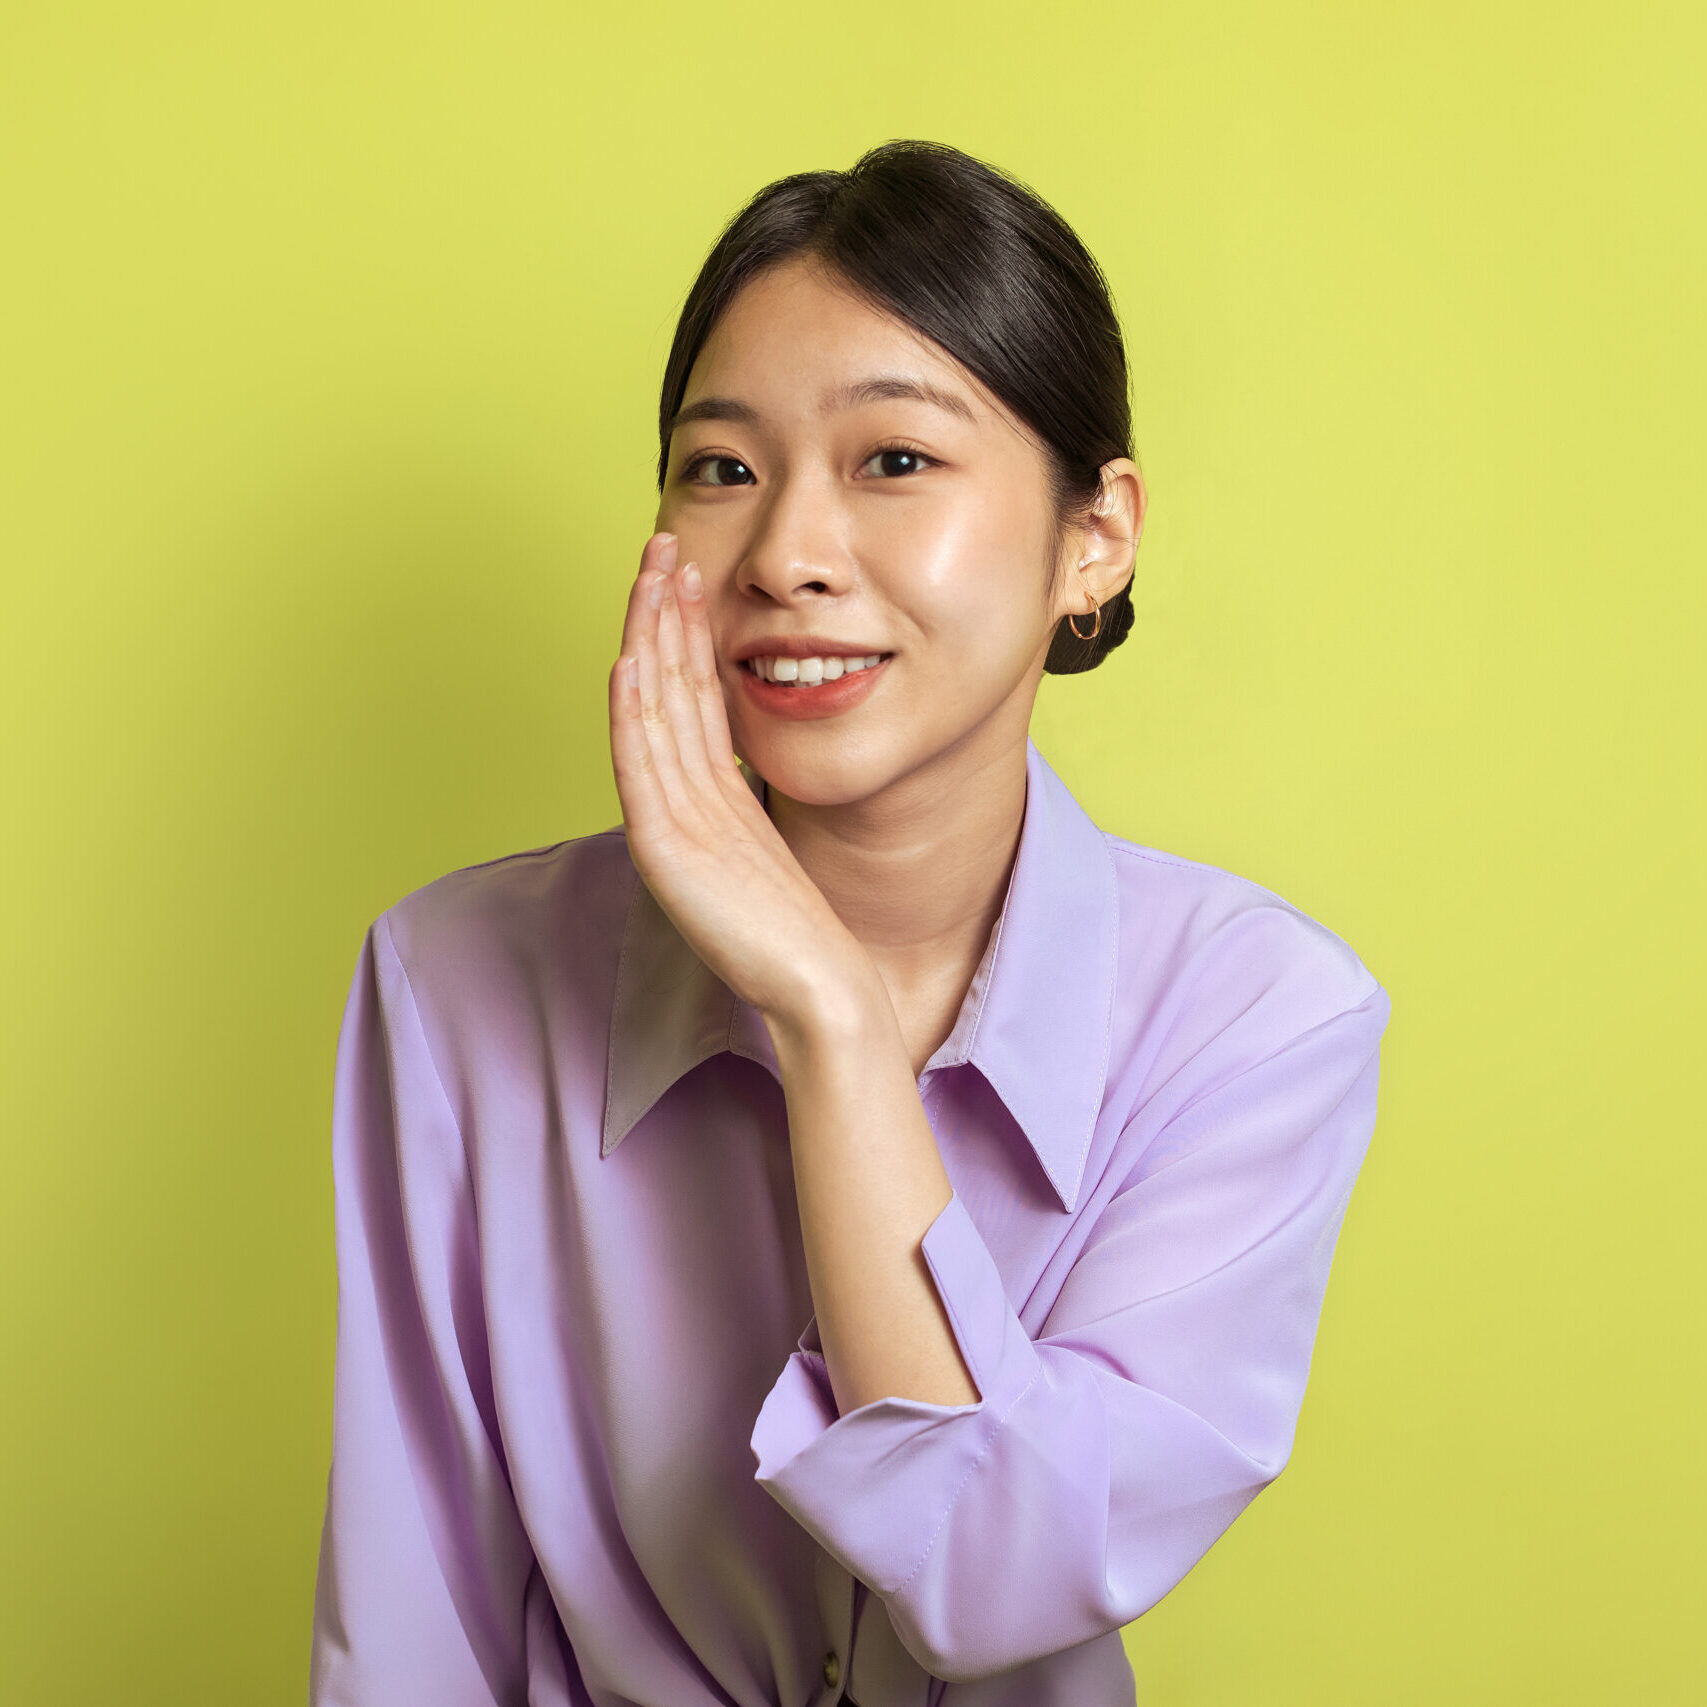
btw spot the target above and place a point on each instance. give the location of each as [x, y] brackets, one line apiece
[869, 1182]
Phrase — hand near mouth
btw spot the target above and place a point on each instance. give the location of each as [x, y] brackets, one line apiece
[701, 841]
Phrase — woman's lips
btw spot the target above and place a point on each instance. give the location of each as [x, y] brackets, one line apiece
[822, 699]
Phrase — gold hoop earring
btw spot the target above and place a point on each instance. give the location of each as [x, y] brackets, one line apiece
[1096, 626]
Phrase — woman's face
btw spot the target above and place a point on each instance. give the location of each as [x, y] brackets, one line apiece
[830, 519]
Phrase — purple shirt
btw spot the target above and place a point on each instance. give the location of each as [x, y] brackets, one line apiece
[585, 1449]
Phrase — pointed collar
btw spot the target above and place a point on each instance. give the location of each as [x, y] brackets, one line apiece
[1035, 1019]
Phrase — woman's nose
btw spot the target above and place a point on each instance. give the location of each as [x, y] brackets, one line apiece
[796, 549]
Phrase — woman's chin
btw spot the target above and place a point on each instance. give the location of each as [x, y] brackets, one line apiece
[817, 765]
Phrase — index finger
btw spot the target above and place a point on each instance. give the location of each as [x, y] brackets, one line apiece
[657, 559]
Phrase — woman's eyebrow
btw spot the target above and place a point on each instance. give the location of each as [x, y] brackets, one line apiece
[880, 388]
[883, 387]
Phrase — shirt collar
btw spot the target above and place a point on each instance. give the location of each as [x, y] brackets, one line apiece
[1035, 1020]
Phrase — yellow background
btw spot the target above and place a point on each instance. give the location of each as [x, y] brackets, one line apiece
[330, 339]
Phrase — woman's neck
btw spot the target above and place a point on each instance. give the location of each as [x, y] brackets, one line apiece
[918, 874]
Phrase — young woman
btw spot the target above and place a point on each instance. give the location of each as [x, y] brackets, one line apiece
[856, 1230]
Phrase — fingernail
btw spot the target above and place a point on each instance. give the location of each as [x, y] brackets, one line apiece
[655, 593]
[690, 581]
[667, 538]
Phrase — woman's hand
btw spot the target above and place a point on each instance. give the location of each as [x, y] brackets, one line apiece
[700, 840]
[868, 1178]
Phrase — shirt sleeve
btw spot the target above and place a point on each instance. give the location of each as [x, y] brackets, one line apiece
[1102, 1459]
[427, 1593]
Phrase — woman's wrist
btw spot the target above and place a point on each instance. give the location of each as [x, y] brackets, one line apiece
[846, 1010]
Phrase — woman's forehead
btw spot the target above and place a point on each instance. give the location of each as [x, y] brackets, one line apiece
[794, 341]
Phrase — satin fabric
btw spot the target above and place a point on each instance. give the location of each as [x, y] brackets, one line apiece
[585, 1450]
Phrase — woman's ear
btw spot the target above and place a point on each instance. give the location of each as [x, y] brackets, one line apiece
[1104, 547]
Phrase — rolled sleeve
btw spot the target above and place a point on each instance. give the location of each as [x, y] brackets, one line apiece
[1104, 1457]
[923, 1453]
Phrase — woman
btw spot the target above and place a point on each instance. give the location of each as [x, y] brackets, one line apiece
[1043, 1135]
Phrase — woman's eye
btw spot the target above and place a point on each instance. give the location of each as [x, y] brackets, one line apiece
[694, 469]
[896, 455]
[895, 461]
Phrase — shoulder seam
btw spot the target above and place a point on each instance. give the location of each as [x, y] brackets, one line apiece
[533, 853]
[502, 859]
[1156, 856]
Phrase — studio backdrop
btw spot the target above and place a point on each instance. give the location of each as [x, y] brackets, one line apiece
[330, 341]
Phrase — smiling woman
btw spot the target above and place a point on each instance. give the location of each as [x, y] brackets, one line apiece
[1012, 321]
[855, 439]
[855, 1230]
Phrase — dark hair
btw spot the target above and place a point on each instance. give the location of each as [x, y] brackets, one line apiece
[977, 262]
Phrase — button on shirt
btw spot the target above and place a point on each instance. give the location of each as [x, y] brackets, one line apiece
[585, 1447]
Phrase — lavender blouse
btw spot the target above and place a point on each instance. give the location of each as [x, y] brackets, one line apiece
[585, 1452]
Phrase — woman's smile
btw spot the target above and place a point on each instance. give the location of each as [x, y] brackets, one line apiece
[814, 691]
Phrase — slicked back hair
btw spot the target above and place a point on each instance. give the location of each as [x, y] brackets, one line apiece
[976, 261]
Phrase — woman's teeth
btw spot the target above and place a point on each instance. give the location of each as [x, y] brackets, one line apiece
[808, 672]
